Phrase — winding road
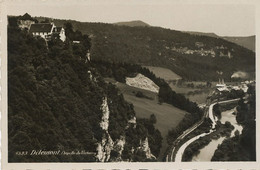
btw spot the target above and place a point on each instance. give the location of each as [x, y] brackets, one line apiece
[176, 156]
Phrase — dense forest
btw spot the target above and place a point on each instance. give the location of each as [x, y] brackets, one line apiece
[241, 147]
[167, 48]
[55, 98]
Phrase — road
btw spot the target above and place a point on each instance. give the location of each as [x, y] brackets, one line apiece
[184, 134]
[181, 150]
[178, 156]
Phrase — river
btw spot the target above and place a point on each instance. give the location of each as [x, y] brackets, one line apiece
[207, 152]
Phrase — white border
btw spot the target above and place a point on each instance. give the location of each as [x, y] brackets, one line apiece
[160, 165]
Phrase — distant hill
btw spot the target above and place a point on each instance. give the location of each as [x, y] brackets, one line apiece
[247, 42]
[210, 34]
[192, 57]
[136, 23]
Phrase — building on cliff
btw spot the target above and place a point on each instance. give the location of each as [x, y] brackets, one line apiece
[46, 30]
[25, 21]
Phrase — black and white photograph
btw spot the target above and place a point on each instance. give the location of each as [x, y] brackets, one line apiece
[130, 82]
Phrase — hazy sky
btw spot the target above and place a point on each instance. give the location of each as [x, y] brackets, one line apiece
[222, 19]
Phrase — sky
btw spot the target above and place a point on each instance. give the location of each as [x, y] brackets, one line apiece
[229, 19]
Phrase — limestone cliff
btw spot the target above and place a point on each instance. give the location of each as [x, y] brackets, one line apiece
[144, 146]
[106, 145]
[104, 148]
[109, 150]
[105, 118]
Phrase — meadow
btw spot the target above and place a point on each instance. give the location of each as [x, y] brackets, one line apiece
[164, 73]
[167, 116]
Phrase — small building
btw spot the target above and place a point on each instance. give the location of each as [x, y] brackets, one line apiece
[76, 42]
[221, 86]
[25, 21]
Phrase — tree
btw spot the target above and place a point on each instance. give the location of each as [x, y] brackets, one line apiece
[250, 90]
[46, 20]
[208, 84]
[13, 22]
[216, 110]
[139, 94]
[153, 119]
[69, 30]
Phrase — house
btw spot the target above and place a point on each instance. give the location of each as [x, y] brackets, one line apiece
[46, 30]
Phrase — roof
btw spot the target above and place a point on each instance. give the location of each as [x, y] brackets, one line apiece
[42, 27]
[26, 16]
[220, 85]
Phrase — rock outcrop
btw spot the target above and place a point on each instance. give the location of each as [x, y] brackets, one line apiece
[119, 147]
[105, 118]
[144, 146]
[142, 82]
[104, 147]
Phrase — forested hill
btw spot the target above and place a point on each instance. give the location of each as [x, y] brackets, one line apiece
[58, 102]
[136, 23]
[191, 56]
[246, 41]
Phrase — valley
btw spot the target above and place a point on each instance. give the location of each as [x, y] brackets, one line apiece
[167, 116]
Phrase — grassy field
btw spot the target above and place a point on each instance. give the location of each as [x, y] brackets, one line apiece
[198, 98]
[164, 73]
[170, 77]
[167, 115]
[181, 89]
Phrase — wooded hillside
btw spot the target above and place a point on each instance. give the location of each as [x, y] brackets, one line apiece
[54, 103]
[192, 57]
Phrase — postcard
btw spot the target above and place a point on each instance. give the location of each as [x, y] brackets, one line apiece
[129, 84]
